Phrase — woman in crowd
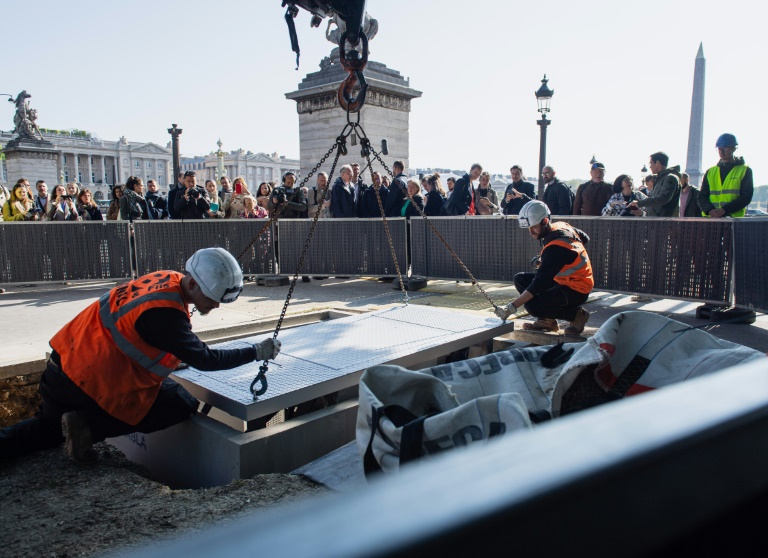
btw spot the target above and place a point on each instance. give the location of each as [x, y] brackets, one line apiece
[435, 196]
[486, 200]
[262, 197]
[19, 206]
[623, 195]
[234, 207]
[73, 190]
[414, 191]
[133, 205]
[62, 206]
[252, 210]
[88, 209]
[113, 211]
[216, 211]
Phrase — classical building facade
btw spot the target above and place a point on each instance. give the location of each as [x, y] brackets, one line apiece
[98, 164]
[254, 167]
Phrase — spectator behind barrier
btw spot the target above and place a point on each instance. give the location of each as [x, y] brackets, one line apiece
[88, 209]
[689, 203]
[343, 194]
[293, 198]
[623, 195]
[216, 211]
[666, 192]
[226, 190]
[234, 207]
[409, 207]
[518, 193]
[4, 195]
[648, 183]
[133, 205]
[113, 211]
[263, 193]
[486, 200]
[157, 204]
[592, 196]
[73, 189]
[192, 202]
[19, 206]
[557, 195]
[435, 200]
[42, 197]
[313, 198]
[175, 189]
[252, 210]
[371, 207]
[62, 206]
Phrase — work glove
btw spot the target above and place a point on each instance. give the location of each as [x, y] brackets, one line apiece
[503, 312]
[267, 349]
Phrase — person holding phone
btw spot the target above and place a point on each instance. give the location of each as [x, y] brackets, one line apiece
[234, 206]
[623, 195]
[63, 206]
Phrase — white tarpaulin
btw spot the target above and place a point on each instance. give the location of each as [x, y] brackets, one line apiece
[404, 415]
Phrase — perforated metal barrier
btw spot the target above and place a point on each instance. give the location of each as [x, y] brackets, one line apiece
[342, 247]
[31, 252]
[751, 263]
[168, 244]
[697, 259]
[674, 258]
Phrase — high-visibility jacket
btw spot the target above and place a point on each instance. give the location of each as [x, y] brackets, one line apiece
[103, 354]
[721, 193]
[576, 275]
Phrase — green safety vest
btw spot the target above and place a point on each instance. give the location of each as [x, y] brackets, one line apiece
[721, 193]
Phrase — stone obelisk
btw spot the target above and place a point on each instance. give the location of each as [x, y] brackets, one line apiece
[696, 129]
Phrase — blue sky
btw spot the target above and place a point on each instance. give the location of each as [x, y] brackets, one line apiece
[622, 75]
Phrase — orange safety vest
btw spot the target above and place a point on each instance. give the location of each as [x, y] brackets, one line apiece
[576, 275]
[103, 354]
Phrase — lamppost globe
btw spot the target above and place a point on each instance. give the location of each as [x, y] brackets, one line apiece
[592, 161]
[543, 98]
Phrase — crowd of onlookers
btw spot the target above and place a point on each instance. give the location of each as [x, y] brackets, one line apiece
[665, 193]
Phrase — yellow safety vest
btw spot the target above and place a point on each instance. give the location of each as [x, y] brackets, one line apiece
[720, 193]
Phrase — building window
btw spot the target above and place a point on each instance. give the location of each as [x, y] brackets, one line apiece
[136, 164]
[149, 164]
[65, 158]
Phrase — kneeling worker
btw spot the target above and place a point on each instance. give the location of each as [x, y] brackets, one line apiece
[563, 279]
[108, 372]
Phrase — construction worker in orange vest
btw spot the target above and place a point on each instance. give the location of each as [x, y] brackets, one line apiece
[563, 278]
[108, 372]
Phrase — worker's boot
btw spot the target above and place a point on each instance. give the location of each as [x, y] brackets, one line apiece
[542, 324]
[578, 323]
[79, 441]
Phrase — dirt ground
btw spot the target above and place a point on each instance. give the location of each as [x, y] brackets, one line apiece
[51, 506]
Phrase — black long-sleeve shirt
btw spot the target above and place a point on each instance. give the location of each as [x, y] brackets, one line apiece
[170, 330]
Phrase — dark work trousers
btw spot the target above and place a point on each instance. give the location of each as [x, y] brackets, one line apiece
[557, 301]
[60, 395]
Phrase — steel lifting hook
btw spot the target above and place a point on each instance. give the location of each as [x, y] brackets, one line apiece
[261, 378]
[354, 63]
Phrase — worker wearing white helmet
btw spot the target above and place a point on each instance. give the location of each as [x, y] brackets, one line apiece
[108, 372]
[563, 278]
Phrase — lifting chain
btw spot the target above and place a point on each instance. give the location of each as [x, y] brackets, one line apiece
[367, 149]
[340, 146]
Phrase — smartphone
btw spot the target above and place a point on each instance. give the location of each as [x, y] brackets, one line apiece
[238, 188]
[214, 207]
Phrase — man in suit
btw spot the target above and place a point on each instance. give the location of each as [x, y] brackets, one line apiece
[343, 194]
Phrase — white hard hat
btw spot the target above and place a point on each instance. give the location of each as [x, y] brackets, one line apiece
[532, 213]
[218, 274]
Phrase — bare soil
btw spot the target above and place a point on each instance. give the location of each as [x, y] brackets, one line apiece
[51, 506]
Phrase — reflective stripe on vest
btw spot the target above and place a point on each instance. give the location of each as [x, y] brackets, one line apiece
[158, 365]
[722, 193]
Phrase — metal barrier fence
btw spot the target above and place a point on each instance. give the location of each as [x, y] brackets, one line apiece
[672, 258]
[32, 252]
[168, 244]
[695, 259]
[751, 263]
[342, 247]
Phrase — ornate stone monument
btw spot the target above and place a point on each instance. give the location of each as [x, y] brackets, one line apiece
[385, 114]
[29, 155]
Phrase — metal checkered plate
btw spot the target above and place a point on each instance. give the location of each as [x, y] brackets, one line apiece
[328, 356]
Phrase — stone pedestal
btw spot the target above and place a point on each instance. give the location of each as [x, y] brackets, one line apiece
[385, 115]
[31, 159]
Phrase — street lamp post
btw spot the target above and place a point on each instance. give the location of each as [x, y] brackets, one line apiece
[643, 174]
[220, 173]
[543, 98]
[175, 133]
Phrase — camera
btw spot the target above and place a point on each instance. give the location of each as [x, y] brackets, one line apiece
[194, 193]
[279, 194]
[67, 197]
